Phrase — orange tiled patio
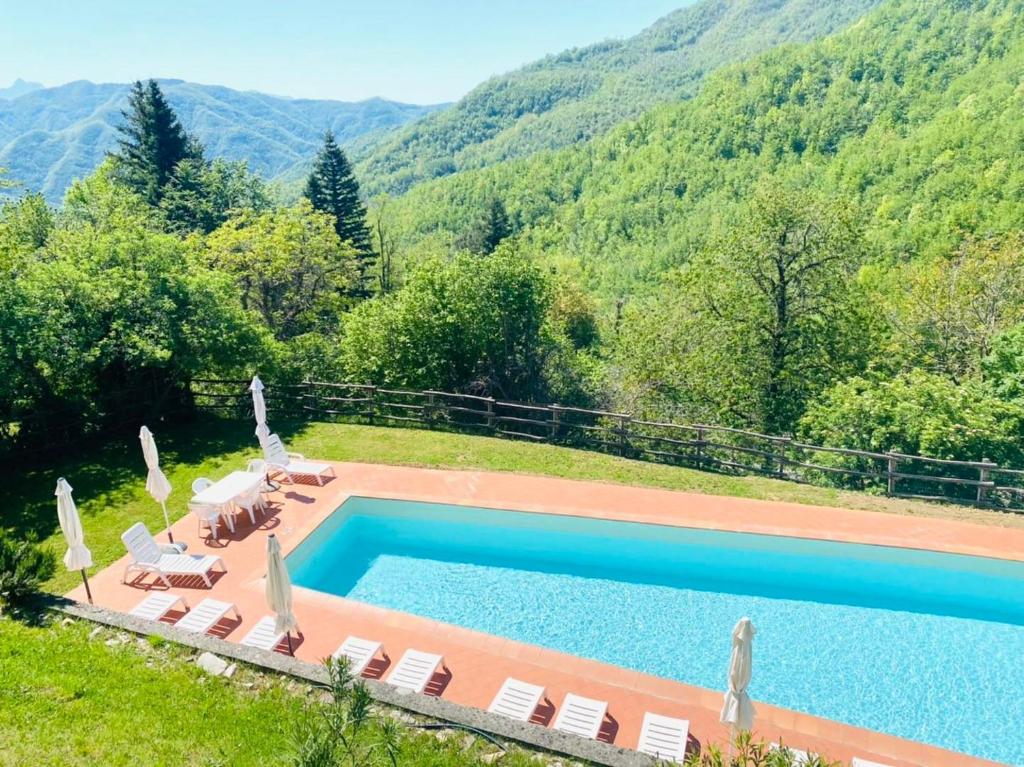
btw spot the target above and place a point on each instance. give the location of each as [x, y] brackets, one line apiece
[480, 662]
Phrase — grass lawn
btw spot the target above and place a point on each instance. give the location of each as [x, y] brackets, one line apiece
[109, 481]
[115, 699]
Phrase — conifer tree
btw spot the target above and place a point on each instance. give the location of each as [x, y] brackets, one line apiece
[332, 188]
[152, 142]
[485, 234]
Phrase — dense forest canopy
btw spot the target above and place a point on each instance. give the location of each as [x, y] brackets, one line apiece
[825, 240]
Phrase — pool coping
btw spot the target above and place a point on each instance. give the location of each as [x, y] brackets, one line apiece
[516, 492]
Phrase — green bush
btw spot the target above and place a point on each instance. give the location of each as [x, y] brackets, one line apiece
[23, 568]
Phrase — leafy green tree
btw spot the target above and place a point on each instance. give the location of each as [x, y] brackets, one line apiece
[760, 321]
[918, 413]
[152, 142]
[25, 225]
[486, 233]
[201, 196]
[289, 265]
[332, 188]
[465, 324]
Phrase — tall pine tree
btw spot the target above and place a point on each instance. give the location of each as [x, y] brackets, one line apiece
[332, 188]
[152, 142]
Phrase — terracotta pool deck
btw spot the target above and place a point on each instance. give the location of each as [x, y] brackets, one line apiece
[479, 662]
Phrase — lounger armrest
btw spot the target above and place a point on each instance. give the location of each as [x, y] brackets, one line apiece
[172, 548]
[297, 456]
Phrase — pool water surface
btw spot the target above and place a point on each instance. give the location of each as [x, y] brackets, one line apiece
[916, 644]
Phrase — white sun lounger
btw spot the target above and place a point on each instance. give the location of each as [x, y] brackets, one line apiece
[360, 653]
[279, 459]
[156, 606]
[205, 615]
[858, 762]
[581, 716]
[664, 738]
[415, 670]
[800, 758]
[264, 635]
[517, 699]
[164, 560]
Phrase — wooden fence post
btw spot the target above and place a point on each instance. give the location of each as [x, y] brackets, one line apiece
[782, 444]
[700, 446]
[624, 422]
[428, 411]
[491, 422]
[983, 475]
[372, 409]
[891, 475]
[553, 424]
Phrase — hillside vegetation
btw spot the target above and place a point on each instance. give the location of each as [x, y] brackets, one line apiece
[583, 92]
[49, 137]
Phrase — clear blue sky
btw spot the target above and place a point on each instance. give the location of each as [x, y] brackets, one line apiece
[409, 50]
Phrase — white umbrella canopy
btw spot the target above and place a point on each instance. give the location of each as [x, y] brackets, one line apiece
[259, 409]
[279, 588]
[77, 557]
[738, 710]
[156, 483]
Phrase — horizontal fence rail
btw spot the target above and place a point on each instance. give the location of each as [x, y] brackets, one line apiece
[703, 446]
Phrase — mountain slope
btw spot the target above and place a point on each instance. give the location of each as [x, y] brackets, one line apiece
[914, 113]
[51, 136]
[583, 92]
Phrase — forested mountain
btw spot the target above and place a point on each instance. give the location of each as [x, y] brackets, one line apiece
[582, 92]
[914, 113]
[51, 136]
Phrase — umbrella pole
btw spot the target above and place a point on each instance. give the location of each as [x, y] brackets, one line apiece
[88, 591]
[163, 505]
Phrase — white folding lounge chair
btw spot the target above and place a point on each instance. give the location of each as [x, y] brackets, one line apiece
[664, 738]
[799, 757]
[517, 700]
[279, 459]
[415, 670]
[156, 606]
[581, 716]
[858, 762]
[205, 615]
[264, 635]
[360, 653]
[164, 560]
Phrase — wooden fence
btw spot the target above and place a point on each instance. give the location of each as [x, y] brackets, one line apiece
[701, 446]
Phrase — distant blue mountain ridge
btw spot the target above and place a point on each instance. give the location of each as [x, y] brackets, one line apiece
[51, 136]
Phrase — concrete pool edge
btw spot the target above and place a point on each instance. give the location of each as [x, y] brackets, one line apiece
[304, 507]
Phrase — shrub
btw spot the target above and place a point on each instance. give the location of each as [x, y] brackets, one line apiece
[23, 568]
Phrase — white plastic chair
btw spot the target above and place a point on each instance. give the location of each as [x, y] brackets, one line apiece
[664, 738]
[415, 670]
[200, 485]
[250, 502]
[581, 716]
[164, 560]
[517, 700]
[360, 653]
[209, 516]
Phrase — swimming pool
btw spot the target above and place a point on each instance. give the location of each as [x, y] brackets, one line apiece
[918, 644]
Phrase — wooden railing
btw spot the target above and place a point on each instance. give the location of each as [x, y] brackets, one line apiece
[702, 446]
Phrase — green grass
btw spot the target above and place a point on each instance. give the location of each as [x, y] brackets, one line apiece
[66, 699]
[109, 481]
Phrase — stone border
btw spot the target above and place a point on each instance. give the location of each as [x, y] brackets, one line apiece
[534, 735]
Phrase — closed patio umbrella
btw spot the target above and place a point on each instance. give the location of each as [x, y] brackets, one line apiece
[77, 557]
[737, 710]
[279, 589]
[156, 483]
[259, 409]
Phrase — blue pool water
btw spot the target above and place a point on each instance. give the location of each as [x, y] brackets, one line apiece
[921, 645]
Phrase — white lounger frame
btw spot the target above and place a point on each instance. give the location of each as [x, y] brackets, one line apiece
[415, 670]
[360, 653]
[517, 700]
[264, 635]
[156, 606]
[581, 716]
[279, 459]
[205, 615]
[164, 560]
[664, 737]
